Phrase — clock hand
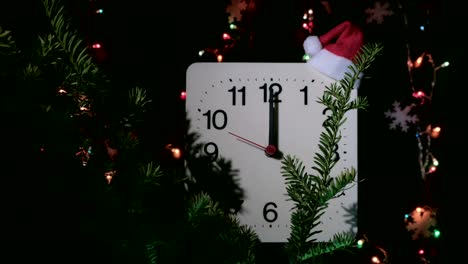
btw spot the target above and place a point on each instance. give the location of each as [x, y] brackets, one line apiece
[272, 148]
[249, 141]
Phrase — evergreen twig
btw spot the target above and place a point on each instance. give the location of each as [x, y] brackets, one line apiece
[311, 192]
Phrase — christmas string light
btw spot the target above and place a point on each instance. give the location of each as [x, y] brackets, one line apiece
[62, 91]
[427, 161]
[226, 36]
[218, 53]
[308, 18]
[230, 38]
[421, 222]
[85, 155]
[380, 257]
[176, 152]
[109, 175]
[183, 95]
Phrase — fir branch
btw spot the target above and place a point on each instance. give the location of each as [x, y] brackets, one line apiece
[311, 193]
[139, 103]
[139, 98]
[340, 241]
[151, 173]
[201, 205]
[8, 54]
[49, 47]
[83, 70]
[31, 72]
[303, 189]
[7, 43]
[211, 173]
[235, 243]
[240, 239]
[338, 184]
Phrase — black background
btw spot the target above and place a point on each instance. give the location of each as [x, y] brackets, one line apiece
[152, 43]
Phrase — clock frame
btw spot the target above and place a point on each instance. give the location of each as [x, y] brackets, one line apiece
[232, 98]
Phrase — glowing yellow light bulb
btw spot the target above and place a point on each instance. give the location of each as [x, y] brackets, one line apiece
[375, 259]
[418, 61]
[176, 153]
[219, 58]
[435, 132]
[109, 175]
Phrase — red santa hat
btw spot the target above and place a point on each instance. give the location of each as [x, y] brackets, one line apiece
[333, 52]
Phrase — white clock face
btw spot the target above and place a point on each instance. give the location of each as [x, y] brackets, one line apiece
[228, 106]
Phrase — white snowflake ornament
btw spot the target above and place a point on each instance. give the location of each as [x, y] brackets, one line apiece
[421, 223]
[235, 10]
[378, 12]
[401, 118]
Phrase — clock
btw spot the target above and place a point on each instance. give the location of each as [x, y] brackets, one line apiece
[255, 113]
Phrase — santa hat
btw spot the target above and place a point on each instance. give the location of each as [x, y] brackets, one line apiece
[333, 52]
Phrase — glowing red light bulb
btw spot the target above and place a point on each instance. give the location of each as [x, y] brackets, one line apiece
[226, 36]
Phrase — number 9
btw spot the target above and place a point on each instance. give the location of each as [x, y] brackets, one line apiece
[211, 150]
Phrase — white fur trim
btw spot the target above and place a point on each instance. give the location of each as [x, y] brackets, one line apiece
[312, 45]
[332, 65]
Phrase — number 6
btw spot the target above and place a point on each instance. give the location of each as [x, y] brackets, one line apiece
[268, 212]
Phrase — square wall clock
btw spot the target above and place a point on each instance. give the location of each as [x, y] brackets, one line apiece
[252, 114]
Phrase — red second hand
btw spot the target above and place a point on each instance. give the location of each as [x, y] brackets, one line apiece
[251, 142]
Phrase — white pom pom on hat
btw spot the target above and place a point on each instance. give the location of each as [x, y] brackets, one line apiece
[333, 52]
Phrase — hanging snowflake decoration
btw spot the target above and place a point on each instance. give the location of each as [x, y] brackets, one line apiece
[421, 223]
[235, 9]
[378, 12]
[401, 117]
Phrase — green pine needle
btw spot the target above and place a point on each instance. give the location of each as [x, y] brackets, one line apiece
[311, 193]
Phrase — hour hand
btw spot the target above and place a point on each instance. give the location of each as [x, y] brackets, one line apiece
[272, 148]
